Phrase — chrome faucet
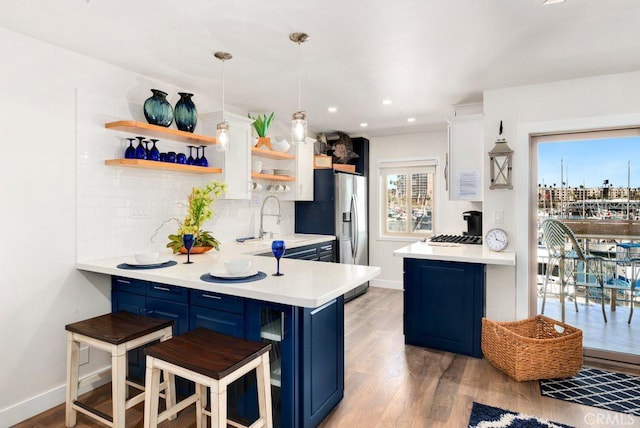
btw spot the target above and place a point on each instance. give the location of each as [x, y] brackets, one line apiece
[262, 232]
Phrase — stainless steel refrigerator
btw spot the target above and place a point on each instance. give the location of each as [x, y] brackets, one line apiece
[339, 208]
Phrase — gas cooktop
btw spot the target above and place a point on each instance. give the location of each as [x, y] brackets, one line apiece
[458, 239]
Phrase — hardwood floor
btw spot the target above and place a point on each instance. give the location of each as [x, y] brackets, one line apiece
[390, 384]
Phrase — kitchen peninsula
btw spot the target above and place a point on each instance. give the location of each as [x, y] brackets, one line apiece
[301, 313]
[444, 294]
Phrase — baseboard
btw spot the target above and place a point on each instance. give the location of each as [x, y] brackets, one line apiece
[35, 405]
[385, 283]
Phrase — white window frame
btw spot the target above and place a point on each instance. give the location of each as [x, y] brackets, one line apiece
[409, 165]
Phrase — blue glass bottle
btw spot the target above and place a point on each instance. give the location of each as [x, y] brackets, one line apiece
[154, 153]
[140, 152]
[157, 109]
[130, 153]
[185, 113]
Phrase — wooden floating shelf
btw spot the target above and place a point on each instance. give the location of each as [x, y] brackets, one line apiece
[156, 131]
[163, 166]
[270, 154]
[272, 177]
[345, 168]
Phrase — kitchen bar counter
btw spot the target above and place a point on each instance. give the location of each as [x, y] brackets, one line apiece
[304, 283]
[456, 253]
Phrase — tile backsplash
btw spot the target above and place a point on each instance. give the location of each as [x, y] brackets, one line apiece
[121, 210]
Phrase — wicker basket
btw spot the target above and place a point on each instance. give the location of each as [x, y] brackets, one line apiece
[535, 348]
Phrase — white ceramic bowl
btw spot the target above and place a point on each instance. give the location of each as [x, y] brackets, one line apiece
[280, 146]
[146, 257]
[237, 266]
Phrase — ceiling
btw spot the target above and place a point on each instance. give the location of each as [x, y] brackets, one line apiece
[424, 55]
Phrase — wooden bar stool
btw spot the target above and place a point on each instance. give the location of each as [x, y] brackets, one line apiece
[211, 360]
[116, 333]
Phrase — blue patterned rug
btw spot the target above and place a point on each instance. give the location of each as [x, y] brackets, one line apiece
[483, 416]
[597, 388]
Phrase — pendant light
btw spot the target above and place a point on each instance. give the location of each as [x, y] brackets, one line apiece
[299, 119]
[222, 128]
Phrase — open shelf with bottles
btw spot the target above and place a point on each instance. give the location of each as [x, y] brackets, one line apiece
[156, 131]
[271, 154]
[163, 166]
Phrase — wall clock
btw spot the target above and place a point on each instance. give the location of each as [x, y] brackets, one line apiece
[496, 239]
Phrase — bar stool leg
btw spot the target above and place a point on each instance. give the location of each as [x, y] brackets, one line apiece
[264, 390]
[218, 404]
[201, 403]
[73, 351]
[151, 391]
[119, 384]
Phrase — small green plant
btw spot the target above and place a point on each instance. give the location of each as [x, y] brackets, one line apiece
[199, 210]
[261, 123]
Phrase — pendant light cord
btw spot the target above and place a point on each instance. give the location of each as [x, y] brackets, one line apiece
[299, 75]
[223, 90]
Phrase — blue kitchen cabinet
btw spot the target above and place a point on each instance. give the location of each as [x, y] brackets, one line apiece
[307, 355]
[444, 305]
[322, 356]
[323, 252]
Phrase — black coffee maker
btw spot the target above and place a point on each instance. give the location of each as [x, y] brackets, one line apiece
[474, 222]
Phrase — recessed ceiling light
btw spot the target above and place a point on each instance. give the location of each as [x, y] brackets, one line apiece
[332, 109]
[411, 119]
[386, 102]
[548, 2]
[364, 124]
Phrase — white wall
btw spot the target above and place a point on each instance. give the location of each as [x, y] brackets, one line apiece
[581, 104]
[53, 107]
[448, 215]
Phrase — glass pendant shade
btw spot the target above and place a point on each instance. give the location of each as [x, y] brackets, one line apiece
[299, 128]
[222, 136]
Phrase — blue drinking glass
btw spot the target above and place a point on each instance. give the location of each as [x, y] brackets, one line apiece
[140, 152]
[197, 161]
[190, 159]
[277, 248]
[181, 158]
[203, 160]
[130, 153]
[171, 157]
[163, 157]
[188, 240]
[154, 153]
[147, 151]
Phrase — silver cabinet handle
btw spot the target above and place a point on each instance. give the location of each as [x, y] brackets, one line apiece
[282, 326]
[210, 296]
[157, 287]
[123, 281]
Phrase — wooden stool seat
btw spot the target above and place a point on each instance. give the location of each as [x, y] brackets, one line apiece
[116, 333]
[211, 360]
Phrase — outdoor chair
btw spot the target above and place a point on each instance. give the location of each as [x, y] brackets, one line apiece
[575, 267]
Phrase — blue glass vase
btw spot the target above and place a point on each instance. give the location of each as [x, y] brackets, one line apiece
[157, 109]
[185, 113]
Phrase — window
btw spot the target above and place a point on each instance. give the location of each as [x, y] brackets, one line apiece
[407, 198]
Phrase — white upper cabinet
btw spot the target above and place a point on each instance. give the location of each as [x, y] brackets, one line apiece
[236, 161]
[303, 186]
[465, 159]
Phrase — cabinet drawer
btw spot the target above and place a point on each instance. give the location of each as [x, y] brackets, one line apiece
[326, 253]
[219, 321]
[136, 286]
[300, 254]
[168, 292]
[222, 302]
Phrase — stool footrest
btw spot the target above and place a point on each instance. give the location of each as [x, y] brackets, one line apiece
[178, 407]
[90, 411]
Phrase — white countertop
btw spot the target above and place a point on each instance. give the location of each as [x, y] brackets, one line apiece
[304, 283]
[467, 253]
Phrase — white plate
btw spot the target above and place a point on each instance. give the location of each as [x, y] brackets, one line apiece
[161, 260]
[222, 273]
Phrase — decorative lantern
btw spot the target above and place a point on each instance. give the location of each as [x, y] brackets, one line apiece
[501, 160]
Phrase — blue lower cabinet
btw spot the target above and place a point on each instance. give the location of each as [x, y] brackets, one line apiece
[306, 358]
[322, 361]
[444, 305]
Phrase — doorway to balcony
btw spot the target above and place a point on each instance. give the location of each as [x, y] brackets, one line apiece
[591, 182]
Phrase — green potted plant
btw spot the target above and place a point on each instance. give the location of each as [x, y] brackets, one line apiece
[199, 210]
[261, 125]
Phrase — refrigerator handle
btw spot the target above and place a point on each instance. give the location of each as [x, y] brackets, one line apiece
[355, 225]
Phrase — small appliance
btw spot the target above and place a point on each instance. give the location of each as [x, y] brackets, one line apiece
[474, 222]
